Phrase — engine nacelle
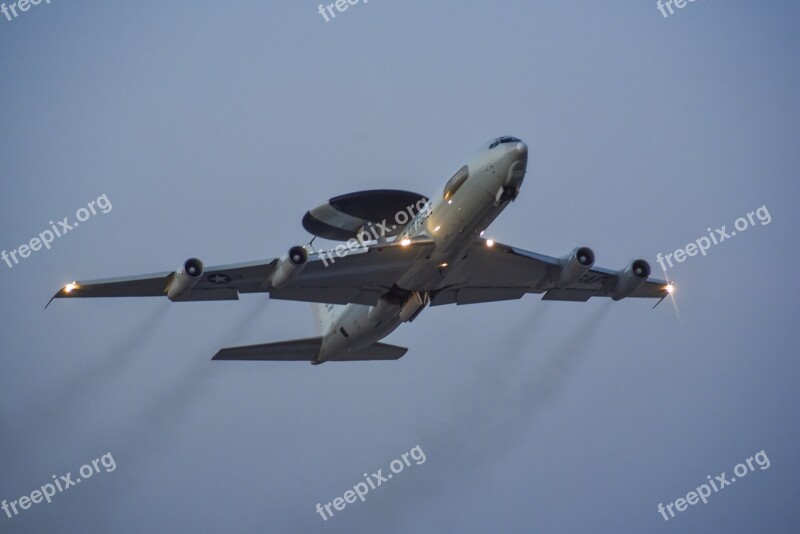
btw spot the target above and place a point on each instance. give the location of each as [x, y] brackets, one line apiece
[574, 266]
[630, 278]
[185, 279]
[289, 266]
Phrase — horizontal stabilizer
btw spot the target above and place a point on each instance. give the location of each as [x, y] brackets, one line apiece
[306, 350]
[572, 295]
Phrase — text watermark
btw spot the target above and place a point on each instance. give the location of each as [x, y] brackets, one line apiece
[341, 6]
[372, 481]
[46, 238]
[22, 5]
[381, 230]
[666, 5]
[60, 483]
[716, 237]
[718, 483]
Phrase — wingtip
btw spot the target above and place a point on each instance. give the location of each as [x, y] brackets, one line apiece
[64, 292]
[52, 299]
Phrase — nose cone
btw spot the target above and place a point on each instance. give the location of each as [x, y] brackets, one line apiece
[518, 161]
[517, 156]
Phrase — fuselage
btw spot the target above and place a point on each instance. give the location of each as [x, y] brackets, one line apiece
[472, 199]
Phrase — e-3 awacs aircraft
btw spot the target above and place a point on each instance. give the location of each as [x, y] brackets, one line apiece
[436, 257]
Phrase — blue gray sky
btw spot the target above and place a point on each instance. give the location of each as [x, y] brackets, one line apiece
[212, 128]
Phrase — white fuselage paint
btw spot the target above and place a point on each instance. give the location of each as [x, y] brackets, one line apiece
[453, 225]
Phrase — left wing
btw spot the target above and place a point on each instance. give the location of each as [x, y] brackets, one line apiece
[360, 277]
[501, 272]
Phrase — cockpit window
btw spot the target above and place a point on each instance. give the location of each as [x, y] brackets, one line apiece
[455, 182]
[501, 140]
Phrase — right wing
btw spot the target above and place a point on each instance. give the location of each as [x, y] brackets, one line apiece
[360, 277]
[502, 272]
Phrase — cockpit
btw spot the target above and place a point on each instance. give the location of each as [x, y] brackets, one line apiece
[502, 140]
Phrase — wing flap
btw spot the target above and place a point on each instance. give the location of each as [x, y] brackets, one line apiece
[477, 295]
[571, 295]
[205, 295]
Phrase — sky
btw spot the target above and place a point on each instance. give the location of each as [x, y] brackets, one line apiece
[210, 128]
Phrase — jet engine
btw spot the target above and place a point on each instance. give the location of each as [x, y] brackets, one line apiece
[289, 266]
[185, 279]
[574, 266]
[630, 278]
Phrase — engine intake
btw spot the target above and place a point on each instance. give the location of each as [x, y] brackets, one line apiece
[630, 278]
[574, 266]
[289, 266]
[185, 279]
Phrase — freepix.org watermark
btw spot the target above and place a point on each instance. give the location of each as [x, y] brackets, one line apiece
[715, 237]
[46, 238]
[22, 5]
[417, 214]
[666, 5]
[718, 483]
[61, 483]
[340, 5]
[373, 481]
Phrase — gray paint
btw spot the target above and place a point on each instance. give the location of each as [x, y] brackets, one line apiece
[213, 128]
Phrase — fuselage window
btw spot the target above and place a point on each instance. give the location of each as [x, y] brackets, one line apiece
[501, 140]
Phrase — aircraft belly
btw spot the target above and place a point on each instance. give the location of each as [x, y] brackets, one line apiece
[452, 240]
[354, 330]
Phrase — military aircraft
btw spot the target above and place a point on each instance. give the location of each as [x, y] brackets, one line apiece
[403, 252]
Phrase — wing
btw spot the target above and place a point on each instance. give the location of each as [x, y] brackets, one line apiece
[502, 272]
[361, 276]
